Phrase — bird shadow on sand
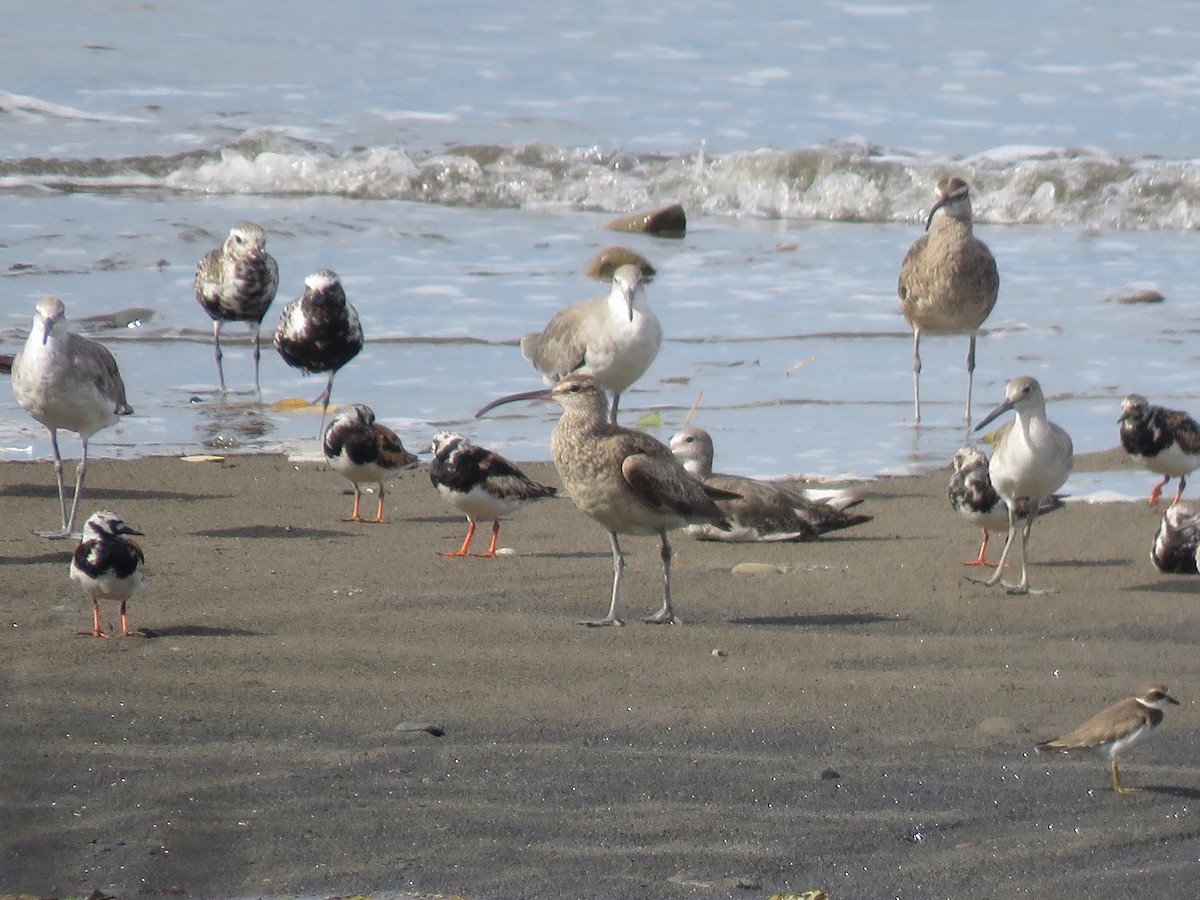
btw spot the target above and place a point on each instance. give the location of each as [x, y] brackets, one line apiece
[63, 558]
[825, 620]
[1088, 563]
[196, 631]
[98, 495]
[1170, 790]
[1178, 584]
[270, 531]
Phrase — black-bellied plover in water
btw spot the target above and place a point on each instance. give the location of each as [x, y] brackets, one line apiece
[481, 484]
[364, 451]
[67, 381]
[1114, 730]
[108, 565]
[613, 338]
[320, 332]
[974, 498]
[1165, 441]
[1176, 542]
[236, 282]
[1032, 459]
[948, 281]
[626, 480]
[764, 511]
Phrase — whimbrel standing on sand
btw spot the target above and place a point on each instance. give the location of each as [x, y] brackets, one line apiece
[236, 282]
[1032, 459]
[1114, 730]
[765, 512]
[613, 338]
[363, 450]
[948, 281]
[319, 332]
[626, 480]
[1165, 441]
[481, 484]
[65, 380]
[973, 497]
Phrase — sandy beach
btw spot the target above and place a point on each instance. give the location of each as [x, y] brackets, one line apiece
[861, 720]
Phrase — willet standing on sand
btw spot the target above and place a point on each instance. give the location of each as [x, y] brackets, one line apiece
[236, 282]
[319, 332]
[948, 281]
[613, 338]
[1032, 459]
[765, 512]
[626, 480]
[65, 380]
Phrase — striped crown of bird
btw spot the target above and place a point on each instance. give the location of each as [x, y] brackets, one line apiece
[236, 282]
[1165, 441]
[1176, 541]
[948, 281]
[362, 450]
[319, 332]
[974, 498]
[765, 511]
[613, 338]
[1114, 730]
[67, 381]
[625, 480]
[481, 484]
[108, 566]
[1032, 459]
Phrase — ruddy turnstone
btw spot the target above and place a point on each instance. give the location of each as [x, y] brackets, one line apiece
[65, 380]
[319, 331]
[364, 451]
[613, 338]
[108, 565]
[1176, 542]
[626, 480]
[1032, 459]
[948, 281]
[236, 282]
[973, 497]
[482, 484]
[765, 512]
[1116, 729]
[1165, 441]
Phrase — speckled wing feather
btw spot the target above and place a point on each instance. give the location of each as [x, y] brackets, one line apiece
[664, 483]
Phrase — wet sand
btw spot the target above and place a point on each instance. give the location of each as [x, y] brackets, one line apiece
[862, 721]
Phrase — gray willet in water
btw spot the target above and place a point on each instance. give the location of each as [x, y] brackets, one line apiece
[1032, 459]
[614, 338]
[65, 380]
[626, 480]
[236, 282]
[948, 281]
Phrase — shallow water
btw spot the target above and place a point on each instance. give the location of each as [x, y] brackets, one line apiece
[460, 179]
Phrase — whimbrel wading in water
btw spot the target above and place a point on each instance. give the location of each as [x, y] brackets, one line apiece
[1032, 459]
[613, 338]
[236, 282]
[65, 380]
[1165, 441]
[319, 332]
[626, 480]
[948, 281]
[765, 512]
[481, 484]
[1114, 730]
[363, 450]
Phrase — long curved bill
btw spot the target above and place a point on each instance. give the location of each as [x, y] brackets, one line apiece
[542, 394]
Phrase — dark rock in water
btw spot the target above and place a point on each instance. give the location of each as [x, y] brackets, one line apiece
[1147, 295]
[608, 260]
[669, 221]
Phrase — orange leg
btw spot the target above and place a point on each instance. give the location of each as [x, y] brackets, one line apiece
[491, 553]
[354, 516]
[981, 560]
[462, 551]
[379, 512]
[1156, 491]
[96, 630]
[125, 632]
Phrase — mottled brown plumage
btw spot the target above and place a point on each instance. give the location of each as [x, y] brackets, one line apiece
[363, 450]
[948, 281]
[1165, 441]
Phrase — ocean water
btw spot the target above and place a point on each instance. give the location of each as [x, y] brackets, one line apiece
[457, 166]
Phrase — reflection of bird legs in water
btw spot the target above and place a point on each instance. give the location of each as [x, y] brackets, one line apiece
[224, 425]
